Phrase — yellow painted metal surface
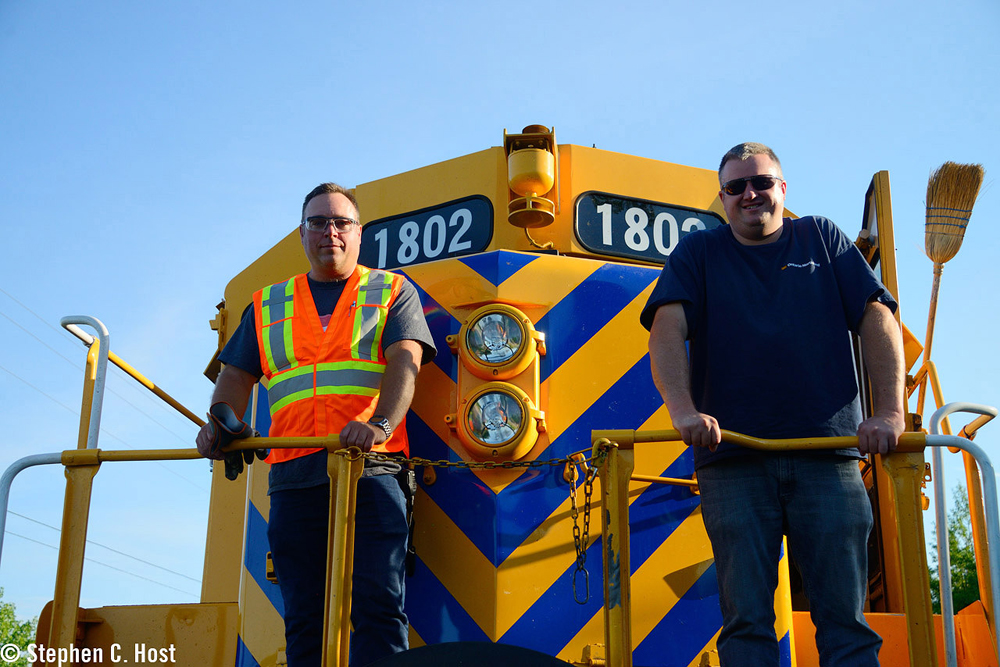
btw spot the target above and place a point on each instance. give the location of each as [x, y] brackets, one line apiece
[976, 646]
[980, 543]
[906, 472]
[912, 347]
[891, 627]
[72, 543]
[223, 545]
[886, 236]
[344, 475]
[89, 378]
[615, 477]
[179, 634]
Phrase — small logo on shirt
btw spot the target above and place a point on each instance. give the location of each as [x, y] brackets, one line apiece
[807, 265]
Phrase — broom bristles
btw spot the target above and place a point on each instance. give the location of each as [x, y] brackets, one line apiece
[951, 194]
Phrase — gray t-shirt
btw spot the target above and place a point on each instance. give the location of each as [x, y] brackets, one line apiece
[405, 321]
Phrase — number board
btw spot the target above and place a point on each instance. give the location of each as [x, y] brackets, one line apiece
[636, 228]
[461, 227]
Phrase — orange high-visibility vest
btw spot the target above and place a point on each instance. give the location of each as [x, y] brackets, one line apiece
[318, 381]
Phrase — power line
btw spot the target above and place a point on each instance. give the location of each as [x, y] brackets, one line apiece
[25, 330]
[67, 336]
[121, 374]
[51, 398]
[112, 567]
[103, 546]
[102, 428]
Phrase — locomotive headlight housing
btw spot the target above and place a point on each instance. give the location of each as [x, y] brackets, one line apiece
[498, 342]
[495, 338]
[496, 417]
[499, 421]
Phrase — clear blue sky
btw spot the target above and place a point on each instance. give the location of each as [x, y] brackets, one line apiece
[150, 151]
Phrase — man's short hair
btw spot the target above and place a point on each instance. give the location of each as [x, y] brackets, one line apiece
[745, 150]
[330, 189]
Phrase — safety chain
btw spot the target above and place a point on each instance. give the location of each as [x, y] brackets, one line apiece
[580, 537]
[353, 454]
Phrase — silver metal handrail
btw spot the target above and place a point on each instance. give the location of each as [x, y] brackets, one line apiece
[937, 441]
[96, 406]
[8, 478]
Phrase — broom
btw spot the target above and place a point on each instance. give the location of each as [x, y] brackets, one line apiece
[951, 193]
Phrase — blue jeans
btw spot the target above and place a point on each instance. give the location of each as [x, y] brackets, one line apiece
[297, 533]
[819, 501]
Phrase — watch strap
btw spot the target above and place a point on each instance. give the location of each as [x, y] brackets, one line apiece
[382, 423]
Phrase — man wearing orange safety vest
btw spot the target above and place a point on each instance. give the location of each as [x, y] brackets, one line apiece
[340, 348]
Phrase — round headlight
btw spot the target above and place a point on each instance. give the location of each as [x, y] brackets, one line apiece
[495, 338]
[497, 342]
[498, 421]
[495, 418]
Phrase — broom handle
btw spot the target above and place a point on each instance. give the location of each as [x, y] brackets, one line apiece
[932, 313]
[929, 340]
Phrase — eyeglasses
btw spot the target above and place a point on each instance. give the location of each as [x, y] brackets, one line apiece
[738, 186]
[318, 223]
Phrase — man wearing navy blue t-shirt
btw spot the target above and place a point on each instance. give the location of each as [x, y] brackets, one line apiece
[767, 304]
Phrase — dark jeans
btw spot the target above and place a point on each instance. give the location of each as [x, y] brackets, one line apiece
[820, 503]
[297, 533]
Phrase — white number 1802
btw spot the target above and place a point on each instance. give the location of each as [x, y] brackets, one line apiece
[434, 238]
[635, 235]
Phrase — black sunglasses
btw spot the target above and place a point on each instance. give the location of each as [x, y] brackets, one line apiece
[738, 186]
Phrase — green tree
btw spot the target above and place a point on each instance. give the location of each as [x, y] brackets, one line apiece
[16, 632]
[961, 551]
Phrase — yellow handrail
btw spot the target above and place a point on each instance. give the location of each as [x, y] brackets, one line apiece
[82, 466]
[908, 442]
[671, 481]
[614, 451]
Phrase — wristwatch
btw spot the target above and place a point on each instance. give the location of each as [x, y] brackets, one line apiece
[382, 423]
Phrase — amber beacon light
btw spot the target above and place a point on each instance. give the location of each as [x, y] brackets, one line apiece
[497, 416]
[531, 173]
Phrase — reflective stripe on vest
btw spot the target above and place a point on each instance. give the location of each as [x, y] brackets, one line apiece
[277, 309]
[374, 292]
[337, 378]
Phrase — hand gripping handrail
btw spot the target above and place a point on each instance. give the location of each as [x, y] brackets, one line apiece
[941, 517]
[96, 405]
